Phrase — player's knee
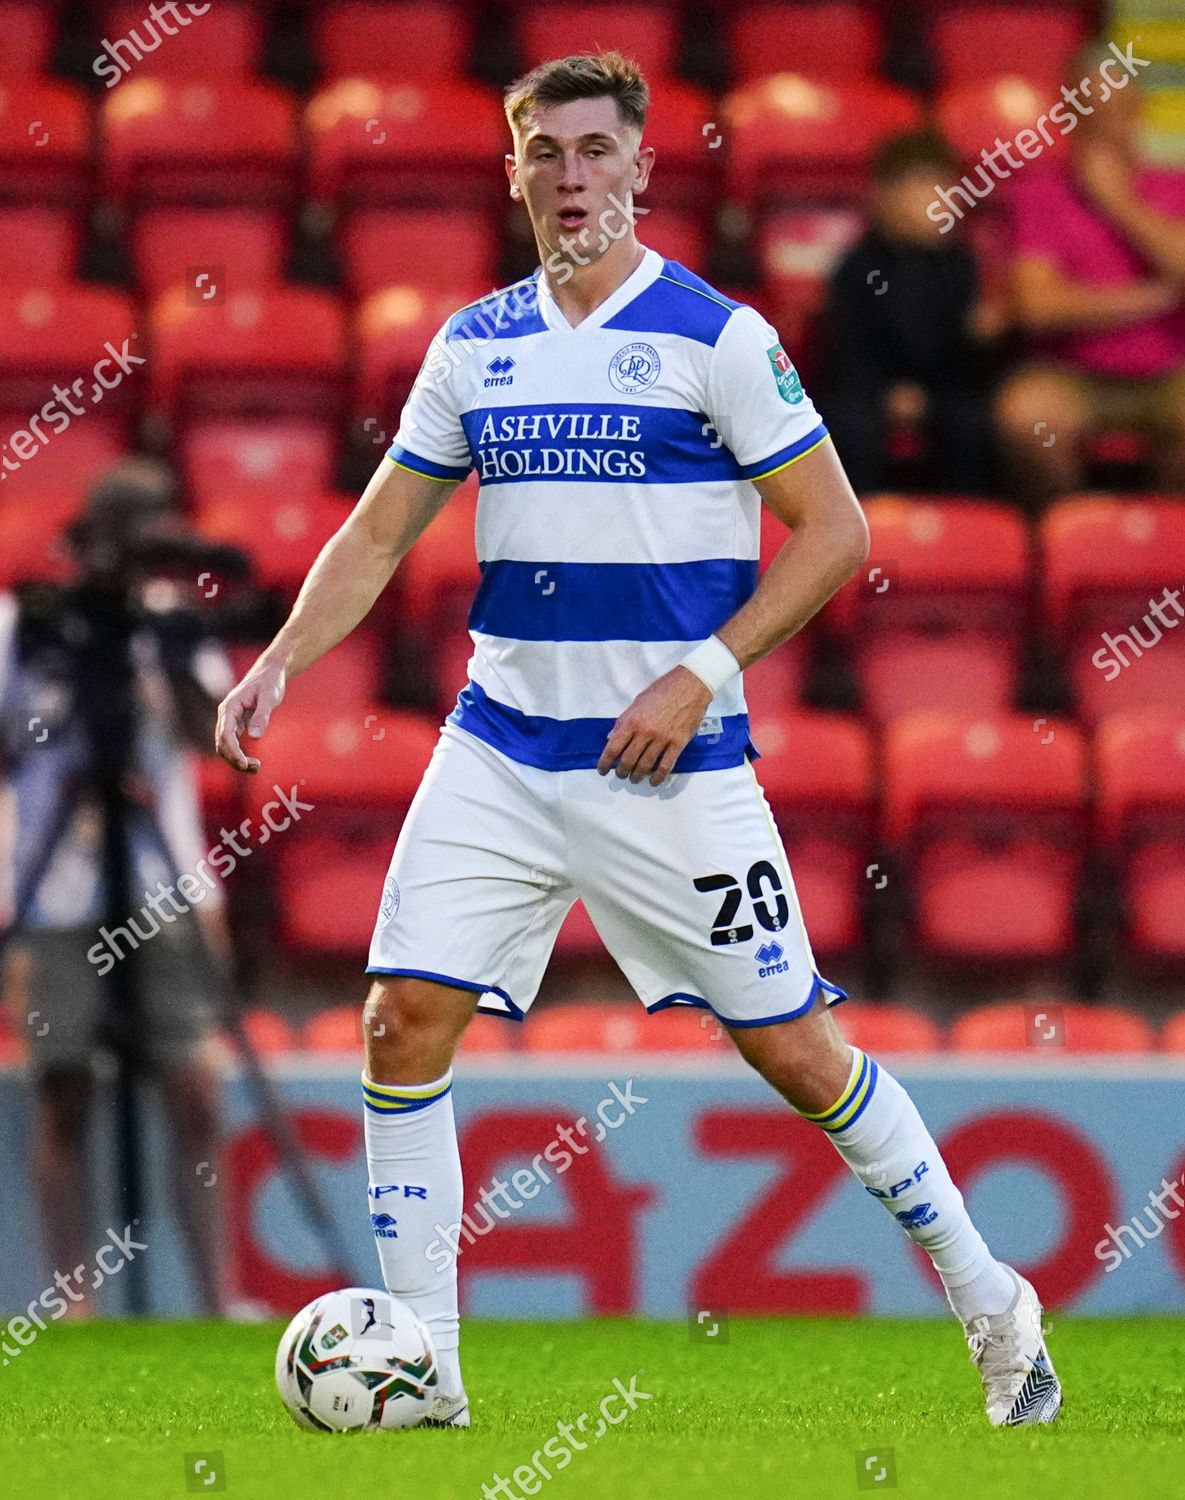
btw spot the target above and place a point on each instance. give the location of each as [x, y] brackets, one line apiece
[806, 1060]
[411, 1029]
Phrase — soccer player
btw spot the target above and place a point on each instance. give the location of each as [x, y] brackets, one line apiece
[626, 421]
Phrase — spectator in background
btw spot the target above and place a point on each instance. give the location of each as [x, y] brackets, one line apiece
[1098, 282]
[50, 980]
[905, 331]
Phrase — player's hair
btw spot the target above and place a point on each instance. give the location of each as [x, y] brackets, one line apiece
[581, 76]
[913, 151]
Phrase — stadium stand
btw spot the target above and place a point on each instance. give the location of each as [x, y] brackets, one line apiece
[263, 206]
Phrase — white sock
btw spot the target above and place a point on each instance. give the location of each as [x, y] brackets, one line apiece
[415, 1184]
[876, 1128]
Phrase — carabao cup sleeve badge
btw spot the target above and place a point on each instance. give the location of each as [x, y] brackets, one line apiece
[789, 386]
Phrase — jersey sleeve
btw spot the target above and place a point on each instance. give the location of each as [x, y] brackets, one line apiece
[755, 399]
[431, 440]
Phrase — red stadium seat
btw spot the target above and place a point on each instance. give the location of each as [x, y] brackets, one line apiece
[44, 142]
[797, 250]
[58, 335]
[26, 38]
[816, 772]
[40, 245]
[425, 248]
[234, 249]
[63, 468]
[1140, 759]
[227, 455]
[936, 615]
[676, 235]
[822, 41]
[647, 33]
[888, 1028]
[337, 1029]
[594, 1026]
[442, 565]
[281, 534]
[1107, 559]
[328, 886]
[269, 1032]
[392, 331]
[342, 761]
[198, 143]
[433, 144]
[778, 681]
[1172, 1038]
[686, 129]
[39, 499]
[577, 937]
[281, 350]
[437, 582]
[974, 111]
[221, 790]
[791, 136]
[1011, 1026]
[981, 41]
[987, 816]
[31, 543]
[221, 42]
[404, 41]
[347, 677]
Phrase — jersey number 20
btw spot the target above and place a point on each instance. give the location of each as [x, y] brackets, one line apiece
[771, 909]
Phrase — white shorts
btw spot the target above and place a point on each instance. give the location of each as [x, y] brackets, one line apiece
[687, 884]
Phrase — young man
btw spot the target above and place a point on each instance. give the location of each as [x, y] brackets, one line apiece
[626, 421]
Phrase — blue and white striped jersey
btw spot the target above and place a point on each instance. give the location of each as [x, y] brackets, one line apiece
[617, 521]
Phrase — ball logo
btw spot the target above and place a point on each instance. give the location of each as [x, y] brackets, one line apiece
[635, 368]
[390, 902]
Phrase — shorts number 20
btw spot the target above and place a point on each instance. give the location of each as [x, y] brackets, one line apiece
[771, 909]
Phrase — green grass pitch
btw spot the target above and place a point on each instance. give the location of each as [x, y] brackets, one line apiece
[785, 1408]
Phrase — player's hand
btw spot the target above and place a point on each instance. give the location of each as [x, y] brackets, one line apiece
[650, 736]
[247, 708]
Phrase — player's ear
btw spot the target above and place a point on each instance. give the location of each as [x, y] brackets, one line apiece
[643, 165]
[512, 174]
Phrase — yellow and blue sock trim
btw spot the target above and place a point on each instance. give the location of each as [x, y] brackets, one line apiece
[403, 1098]
[854, 1100]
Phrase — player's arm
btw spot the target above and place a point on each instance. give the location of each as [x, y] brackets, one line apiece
[352, 570]
[1046, 301]
[829, 541]
[755, 401]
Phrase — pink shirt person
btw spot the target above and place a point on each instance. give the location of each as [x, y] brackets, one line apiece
[1052, 219]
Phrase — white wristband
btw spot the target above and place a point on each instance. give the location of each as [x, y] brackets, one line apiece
[713, 663]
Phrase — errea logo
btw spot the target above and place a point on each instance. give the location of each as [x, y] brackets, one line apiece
[769, 956]
[500, 369]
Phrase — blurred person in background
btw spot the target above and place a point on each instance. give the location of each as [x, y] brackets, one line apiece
[1098, 282]
[906, 332]
[59, 995]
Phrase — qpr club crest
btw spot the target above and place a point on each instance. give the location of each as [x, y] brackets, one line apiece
[390, 902]
[635, 368]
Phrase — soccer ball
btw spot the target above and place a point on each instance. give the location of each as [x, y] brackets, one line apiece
[356, 1360]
